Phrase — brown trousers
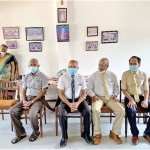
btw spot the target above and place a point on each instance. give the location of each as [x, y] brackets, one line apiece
[15, 113]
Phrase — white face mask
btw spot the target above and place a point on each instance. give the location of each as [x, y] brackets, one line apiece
[3, 53]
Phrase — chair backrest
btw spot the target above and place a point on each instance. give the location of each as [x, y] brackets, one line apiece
[9, 90]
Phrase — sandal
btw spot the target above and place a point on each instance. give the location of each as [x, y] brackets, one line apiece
[34, 136]
[17, 139]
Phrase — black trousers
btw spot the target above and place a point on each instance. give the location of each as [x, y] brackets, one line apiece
[63, 116]
[131, 114]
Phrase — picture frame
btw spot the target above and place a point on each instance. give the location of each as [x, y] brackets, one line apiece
[109, 37]
[92, 46]
[62, 33]
[34, 33]
[11, 44]
[92, 31]
[62, 15]
[11, 32]
[35, 46]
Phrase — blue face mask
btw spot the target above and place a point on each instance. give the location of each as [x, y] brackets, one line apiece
[72, 71]
[133, 68]
[33, 69]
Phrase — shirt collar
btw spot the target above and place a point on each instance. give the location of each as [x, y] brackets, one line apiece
[71, 75]
[133, 72]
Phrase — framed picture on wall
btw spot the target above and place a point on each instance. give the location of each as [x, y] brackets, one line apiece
[11, 44]
[92, 31]
[92, 46]
[35, 47]
[11, 32]
[62, 15]
[34, 33]
[62, 33]
[109, 37]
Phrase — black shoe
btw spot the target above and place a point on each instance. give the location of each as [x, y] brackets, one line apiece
[63, 142]
[34, 136]
[17, 139]
[87, 138]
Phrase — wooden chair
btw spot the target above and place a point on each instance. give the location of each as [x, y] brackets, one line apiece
[8, 90]
[138, 112]
[25, 114]
[75, 114]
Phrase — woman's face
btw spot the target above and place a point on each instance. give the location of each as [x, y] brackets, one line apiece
[3, 49]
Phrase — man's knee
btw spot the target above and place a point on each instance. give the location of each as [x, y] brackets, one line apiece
[63, 112]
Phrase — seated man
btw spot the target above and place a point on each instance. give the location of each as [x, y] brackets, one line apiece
[72, 92]
[103, 88]
[136, 90]
[34, 89]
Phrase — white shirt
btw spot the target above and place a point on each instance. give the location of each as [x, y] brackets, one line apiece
[64, 83]
[95, 84]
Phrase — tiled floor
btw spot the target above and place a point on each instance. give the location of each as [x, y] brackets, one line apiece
[50, 141]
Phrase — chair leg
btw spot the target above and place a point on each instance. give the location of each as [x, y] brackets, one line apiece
[26, 117]
[12, 126]
[56, 121]
[41, 125]
[139, 114]
[81, 124]
[110, 117]
[2, 114]
[45, 114]
[126, 124]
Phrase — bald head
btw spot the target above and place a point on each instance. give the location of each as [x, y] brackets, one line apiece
[73, 64]
[103, 64]
[33, 62]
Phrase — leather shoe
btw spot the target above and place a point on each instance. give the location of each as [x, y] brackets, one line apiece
[147, 137]
[115, 137]
[63, 142]
[135, 140]
[97, 139]
[87, 138]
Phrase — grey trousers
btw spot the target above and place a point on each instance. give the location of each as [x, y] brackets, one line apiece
[15, 114]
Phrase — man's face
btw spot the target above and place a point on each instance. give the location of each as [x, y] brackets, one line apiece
[33, 63]
[73, 65]
[134, 62]
[103, 65]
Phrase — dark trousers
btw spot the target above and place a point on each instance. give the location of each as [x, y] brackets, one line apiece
[15, 113]
[83, 109]
[131, 114]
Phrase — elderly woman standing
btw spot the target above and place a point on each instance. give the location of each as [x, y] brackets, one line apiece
[8, 65]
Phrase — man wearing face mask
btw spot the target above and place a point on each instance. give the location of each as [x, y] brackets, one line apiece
[8, 65]
[103, 88]
[34, 89]
[136, 91]
[72, 92]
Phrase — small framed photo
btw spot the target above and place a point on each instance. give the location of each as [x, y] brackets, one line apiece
[92, 46]
[62, 33]
[92, 31]
[109, 37]
[62, 15]
[34, 33]
[11, 32]
[11, 44]
[35, 47]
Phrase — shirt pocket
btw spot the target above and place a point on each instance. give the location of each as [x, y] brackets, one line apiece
[37, 84]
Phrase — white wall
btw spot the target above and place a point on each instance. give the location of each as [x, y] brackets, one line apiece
[32, 14]
[131, 19]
